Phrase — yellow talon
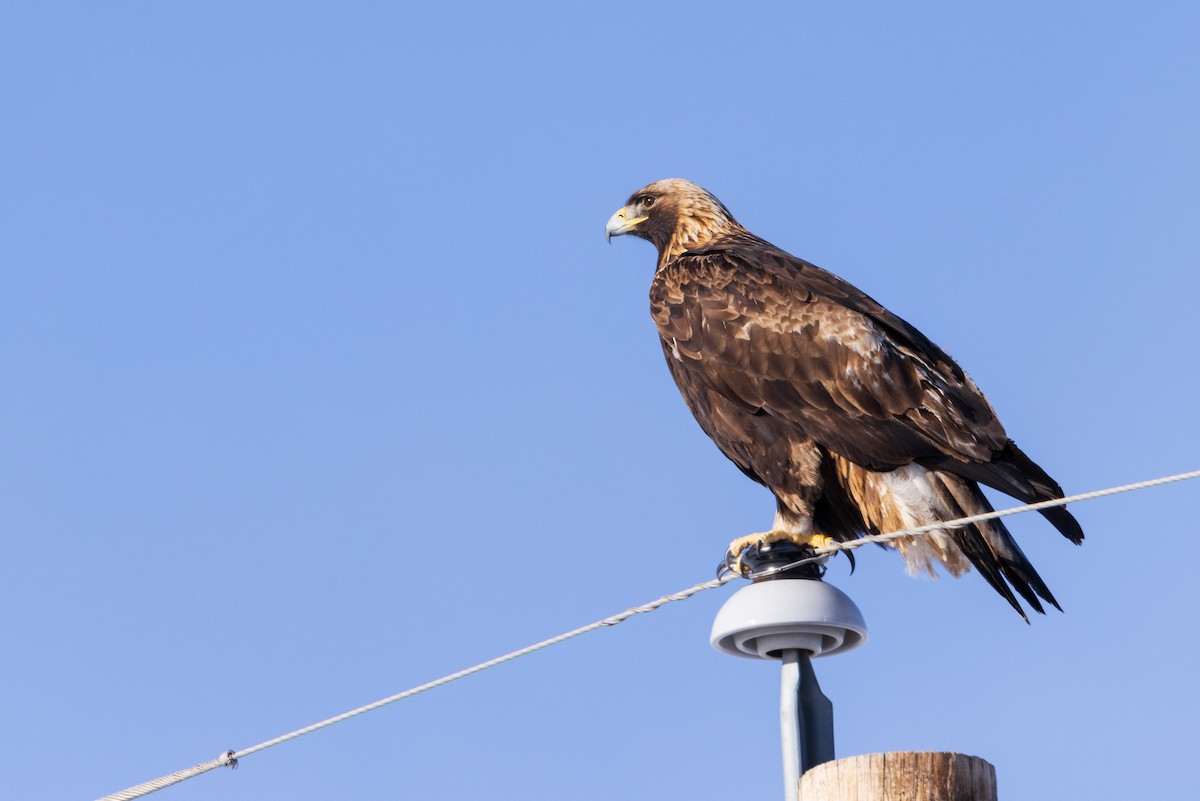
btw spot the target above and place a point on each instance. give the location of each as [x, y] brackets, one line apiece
[735, 562]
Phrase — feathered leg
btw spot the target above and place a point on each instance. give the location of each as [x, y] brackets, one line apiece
[801, 474]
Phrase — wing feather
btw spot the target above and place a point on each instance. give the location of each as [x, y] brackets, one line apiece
[809, 348]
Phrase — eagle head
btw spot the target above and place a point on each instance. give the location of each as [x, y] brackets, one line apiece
[674, 215]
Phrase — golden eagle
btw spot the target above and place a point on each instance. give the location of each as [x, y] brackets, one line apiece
[853, 419]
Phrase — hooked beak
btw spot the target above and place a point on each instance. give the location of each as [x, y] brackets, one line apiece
[621, 223]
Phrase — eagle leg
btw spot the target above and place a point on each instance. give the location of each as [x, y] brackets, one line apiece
[746, 548]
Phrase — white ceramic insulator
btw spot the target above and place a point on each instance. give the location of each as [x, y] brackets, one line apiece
[762, 620]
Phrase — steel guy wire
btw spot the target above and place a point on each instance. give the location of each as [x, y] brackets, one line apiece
[230, 758]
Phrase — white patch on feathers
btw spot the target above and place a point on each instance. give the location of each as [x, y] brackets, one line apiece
[675, 350]
[801, 527]
[910, 493]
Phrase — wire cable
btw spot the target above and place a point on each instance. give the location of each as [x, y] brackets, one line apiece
[230, 758]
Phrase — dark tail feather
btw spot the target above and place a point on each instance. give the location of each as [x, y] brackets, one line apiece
[972, 543]
[1015, 474]
[1046, 488]
[993, 551]
[1065, 522]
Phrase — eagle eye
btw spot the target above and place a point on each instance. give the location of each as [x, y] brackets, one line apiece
[647, 202]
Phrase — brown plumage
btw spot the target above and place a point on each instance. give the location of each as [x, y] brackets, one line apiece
[850, 416]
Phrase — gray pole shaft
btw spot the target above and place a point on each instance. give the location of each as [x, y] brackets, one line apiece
[790, 723]
[806, 720]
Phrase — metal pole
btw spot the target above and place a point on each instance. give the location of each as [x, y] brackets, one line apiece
[805, 718]
[790, 723]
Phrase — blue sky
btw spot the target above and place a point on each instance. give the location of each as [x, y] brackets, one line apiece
[321, 382]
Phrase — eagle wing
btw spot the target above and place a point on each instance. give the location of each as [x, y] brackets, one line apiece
[779, 336]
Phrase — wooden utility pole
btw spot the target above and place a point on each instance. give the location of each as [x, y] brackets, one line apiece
[901, 776]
